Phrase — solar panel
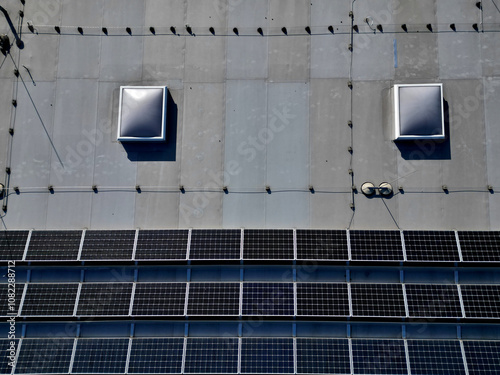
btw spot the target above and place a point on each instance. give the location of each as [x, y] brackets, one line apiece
[5, 347]
[100, 356]
[322, 244]
[438, 357]
[377, 245]
[267, 355]
[50, 299]
[323, 356]
[322, 299]
[480, 246]
[483, 357]
[108, 244]
[433, 301]
[481, 301]
[215, 244]
[211, 355]
[45, 356]
[54, 245]
[379, 357]
[431, 246]
[268, 299]
[162, 244]
[268, 244]
[12, 244]
[104, 299]
[214, 299]
[156, 356]
[5, 307]
[159, 299]
[384, 300]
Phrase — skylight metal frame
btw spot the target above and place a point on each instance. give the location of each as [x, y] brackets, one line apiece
[397, 119]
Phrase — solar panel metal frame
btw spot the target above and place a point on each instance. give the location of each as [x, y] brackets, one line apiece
[19, 239]
[376, 352]
[30, 300]
[198, 246]
[195, 293]
[304, 239]
[139, 292]
[302, 294]
[476, 246]
[112, 300]
[250, 243]
[436, 355]
[230, 348]
[287, 368]
[415, 253]
[323, 363]
[46, 350]
[249, 310]
[173, 238]
[157, 343]
[355, 288]
[100, 240]
[414, 302]
[467, 298]
[103, 351]
[56, 240]
[358, 239]
[486, 362]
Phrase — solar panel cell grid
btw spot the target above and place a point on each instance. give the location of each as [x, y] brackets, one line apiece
[267, 356]
[268, 299]
[431, 246]
[481, 301]
[6, 296]
[108, 245]
[214, 299]
[100, 356]
[378, 245]
[159, 299]
[437, 301]
[323, 356]
[12, 244]
[383, 300]
[379, 357]
[45, 356]
[50, 299]
[211, 355]
[439, 357]
[54, 245]
[483, 357]
[215, 244]
[104, 299]
[480, 246]
[6, 348]
[162, 244]
[156, 356]
[322, 299]
[268, 244]
[322, 244]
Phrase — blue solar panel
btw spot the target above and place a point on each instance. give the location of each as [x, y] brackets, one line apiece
[162, 244]
[437, 357]
[5, 297]
[54, 245]
[45, 356]
[268, 299]
[100, 356]
[322, 299]
[104, 299]
[211, 355]
[156, 356]
[433, 301]
[214, 299]
[322, 244]
[483, 357]
[215, 244]
[7, 350]
[267, 355]
[379, 357]
[481, 301]
[50, 299]
[323, 356]
[384, 300]
[159, 299]
[12, 244]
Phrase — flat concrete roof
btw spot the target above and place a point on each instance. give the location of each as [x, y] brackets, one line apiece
[248, 111]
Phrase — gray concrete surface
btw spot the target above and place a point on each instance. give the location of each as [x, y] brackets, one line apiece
[249, 110]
